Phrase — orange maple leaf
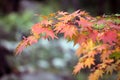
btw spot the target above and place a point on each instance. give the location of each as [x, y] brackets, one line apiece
[105, 54]
[92, 53]
[89, 61]
[23, 44]
[39, 29]
[69, 31]
[59, 27]
[96, 75]
[78, 67]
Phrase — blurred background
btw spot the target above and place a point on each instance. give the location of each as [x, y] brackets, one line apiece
[47, 60]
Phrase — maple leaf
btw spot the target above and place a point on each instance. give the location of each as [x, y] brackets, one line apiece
[100, 24]
[115, 55]
[79, 51]
[86, 47]
[105, 54]
[32, 40]
[49, 32]
[111, 68]
[117, 62]
[69, 31]
[23, 44]
[76, 13]
[99, 73]
[59, 27]
[39, 29]
[78, 67]
[92, 77]
[80, 38]
[93, 34]
[62, 13]
[89, 61]
[67, 18]
[112, 25]
[96, 75]
[102, 66]
[108, 61]
[102, 47]
[92, 53]
[109, 37]
[84, 23]
[83, 13]
[90, 45]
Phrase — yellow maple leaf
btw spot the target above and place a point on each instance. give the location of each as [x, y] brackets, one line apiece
[105, 54]
[86, 48]
[90, 45]
[89, 61]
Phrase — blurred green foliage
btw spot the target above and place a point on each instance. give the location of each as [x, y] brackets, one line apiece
[24, 20]
[100, 26]
[21, 21]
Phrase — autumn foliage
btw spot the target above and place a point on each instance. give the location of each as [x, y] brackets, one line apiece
[97, 36]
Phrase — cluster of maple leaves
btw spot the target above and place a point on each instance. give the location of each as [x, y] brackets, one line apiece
[97, 36]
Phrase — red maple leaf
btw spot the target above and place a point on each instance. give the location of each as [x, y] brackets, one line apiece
[112, 25]
[93, 34]
[81, 38]
[49, 33]
[39, 29]
[109, 37]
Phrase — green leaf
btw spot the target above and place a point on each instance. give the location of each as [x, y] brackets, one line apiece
[100, 26]
[115, 55]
